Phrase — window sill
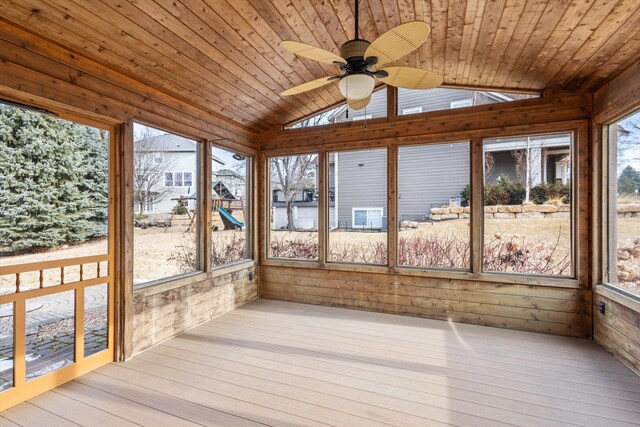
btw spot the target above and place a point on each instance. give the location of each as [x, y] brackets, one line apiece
[511, 279]
[153, 288]
[622, 297]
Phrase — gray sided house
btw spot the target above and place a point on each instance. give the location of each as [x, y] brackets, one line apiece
[165, 169]
[428, 176]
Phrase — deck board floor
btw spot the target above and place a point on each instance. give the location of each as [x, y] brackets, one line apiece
[287, 364]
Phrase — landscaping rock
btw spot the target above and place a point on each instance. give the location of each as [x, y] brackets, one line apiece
[564, 208]
[466, 209]
[630, 207]
[456, 209]
[490, 209]
[433, 217]
[540, 208]
[530, 215]
[510, 209]
[488, 215]
[440, 211]
[450, 216]
[464, 215]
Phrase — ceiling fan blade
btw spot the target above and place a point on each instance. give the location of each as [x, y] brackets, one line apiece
[411, 78]
[313, 84]
[398, 41]
[312, 52]
[358, 104]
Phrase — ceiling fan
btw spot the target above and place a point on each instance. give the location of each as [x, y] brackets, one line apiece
[359, 60]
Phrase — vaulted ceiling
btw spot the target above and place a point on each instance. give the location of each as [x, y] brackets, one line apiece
[223, 55]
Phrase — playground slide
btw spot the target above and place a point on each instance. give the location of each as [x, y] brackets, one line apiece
[226, 215]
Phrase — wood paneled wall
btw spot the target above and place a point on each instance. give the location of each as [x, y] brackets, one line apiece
[618, 329]
[39, 72]
[545, 309]
[538, 304]
[163, 311]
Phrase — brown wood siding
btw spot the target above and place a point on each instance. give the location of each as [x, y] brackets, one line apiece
[618, 331]
[159, 316]
[543, 309]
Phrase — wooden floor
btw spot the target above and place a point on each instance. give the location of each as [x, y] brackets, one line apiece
[286, 364]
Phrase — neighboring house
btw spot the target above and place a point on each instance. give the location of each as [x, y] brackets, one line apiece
[358, 183]
[166, 169]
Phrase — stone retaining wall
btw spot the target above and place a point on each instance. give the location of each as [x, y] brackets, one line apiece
[503, 212]
[523, 211]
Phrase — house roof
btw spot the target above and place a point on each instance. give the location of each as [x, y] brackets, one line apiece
[226, 59]
[168, 143]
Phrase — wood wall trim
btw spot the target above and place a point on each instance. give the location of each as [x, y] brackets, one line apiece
[619, 97]
[418, 127]
[124, 242]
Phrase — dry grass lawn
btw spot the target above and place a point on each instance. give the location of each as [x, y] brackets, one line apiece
[154, 246]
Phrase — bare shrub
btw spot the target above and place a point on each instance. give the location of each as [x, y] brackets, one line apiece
[514, 254]
[629, 266]
[517, 254]
[223, 251]
[370, 253]
[299, 247]
[443, 251]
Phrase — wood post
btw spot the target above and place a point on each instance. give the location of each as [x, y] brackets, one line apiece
[477, 211]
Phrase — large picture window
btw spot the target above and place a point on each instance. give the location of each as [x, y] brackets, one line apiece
[623, 257]
[230, 203]
[528, 190]
[165, 205]
[433, 206]
[358, 206]
[294, 207]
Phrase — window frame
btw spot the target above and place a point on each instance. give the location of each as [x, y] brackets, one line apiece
[201, 269]
[367, 210]
[249, 220]
[609, 227]
[269, 211]
[573, 219]
[580, 172]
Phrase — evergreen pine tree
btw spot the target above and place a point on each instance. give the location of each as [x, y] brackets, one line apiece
[54, 185]
[628, 181]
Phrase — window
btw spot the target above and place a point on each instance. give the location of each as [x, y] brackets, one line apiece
[528, 193]
[412, 110]
[462, 103]
[188, 179]
[433, 211]
[417, 101]
[177, 179]
[362, 117]
[165, 240]
[370, 218]
[231, 222]
[377, 108]
[623, 257]
[358, 206]
[294, 207]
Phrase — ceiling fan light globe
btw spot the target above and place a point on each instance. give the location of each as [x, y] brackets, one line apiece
[356, 86]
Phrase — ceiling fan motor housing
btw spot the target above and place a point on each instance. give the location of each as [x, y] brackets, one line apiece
[354, 49]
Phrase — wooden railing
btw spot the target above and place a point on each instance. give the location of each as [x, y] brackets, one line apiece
[50, 278]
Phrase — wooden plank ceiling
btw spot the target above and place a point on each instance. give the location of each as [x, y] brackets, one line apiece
[223, 55]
